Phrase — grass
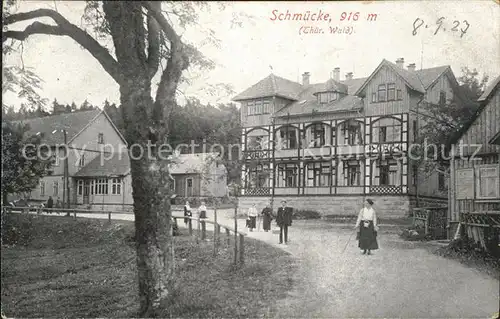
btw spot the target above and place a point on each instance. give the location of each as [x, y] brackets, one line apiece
[58, 267]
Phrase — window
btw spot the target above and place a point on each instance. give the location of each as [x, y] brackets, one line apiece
[189, 182]
[442, 98]
[82, 160]
[42, 188]
[374, 97]
[101, 186]
[266, 107]
[414, 172]
[100, 138]
[381, 93]
[487, 182]
[250, 106]
[318, 174]
[415, 130]
[333, 96]
[399, 95]
[116, 186]
[391, 92]
[287, 137]
[352, 133]
[80, 187]
[287, 175]
[386, 172]
[258, 107]
[56, 160]
[352, 173]
[55, 188]
[172, 185]
[318, 135]
[323, 98]
[258, 176]
[386, 129]
[441, 181]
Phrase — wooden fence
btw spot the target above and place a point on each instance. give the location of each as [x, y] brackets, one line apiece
[483, 228]
[200, 234]
[434, 220]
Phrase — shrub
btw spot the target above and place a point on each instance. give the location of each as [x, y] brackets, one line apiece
[306, 214]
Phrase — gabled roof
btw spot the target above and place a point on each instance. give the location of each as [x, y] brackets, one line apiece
[490, 90]
[104, 166]
[308, 103]
[331, 86]
[430, 76]
[483, 100]
[73, 122]
[272, 85]
[411, 78]
[353, 85]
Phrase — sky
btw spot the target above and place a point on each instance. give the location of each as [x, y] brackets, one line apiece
[248, 52]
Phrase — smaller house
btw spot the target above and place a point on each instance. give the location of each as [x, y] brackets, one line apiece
[198, 175]
[475, 171]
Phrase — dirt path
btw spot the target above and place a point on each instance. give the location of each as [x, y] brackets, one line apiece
[402, 279]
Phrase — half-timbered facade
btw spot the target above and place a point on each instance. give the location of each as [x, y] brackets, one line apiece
[327, 146]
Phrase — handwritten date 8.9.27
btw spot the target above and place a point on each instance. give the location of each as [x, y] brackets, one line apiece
[440, 25]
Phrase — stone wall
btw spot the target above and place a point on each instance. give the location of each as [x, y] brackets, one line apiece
[386, 206]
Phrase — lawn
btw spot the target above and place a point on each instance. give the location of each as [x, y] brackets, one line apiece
[58, 267]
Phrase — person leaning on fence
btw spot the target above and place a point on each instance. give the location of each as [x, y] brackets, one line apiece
[368, 228]
[202, 210]
[252, 217]
[284, 220]
[50, 204]
[187, 212]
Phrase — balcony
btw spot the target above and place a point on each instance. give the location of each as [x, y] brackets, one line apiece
[350, 149]
[386, 189]
[316, 152]
[257, 154]
[257, 191]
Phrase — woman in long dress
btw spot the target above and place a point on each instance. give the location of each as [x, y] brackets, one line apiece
[267, 217]
[252, 217]
[202, 210]
[367, 224]
[187, 212]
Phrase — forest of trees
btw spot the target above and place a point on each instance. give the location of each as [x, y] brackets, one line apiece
[204, 124]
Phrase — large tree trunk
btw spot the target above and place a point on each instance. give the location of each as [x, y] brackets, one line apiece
[151, 204]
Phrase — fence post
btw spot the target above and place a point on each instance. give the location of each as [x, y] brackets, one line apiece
[109, 217]
[203, 229]
[218, 235]
[227, 236]
[190, 226]
[427, 215]
[235, 235]
[242, 249]
[215, 232]
[74, 215]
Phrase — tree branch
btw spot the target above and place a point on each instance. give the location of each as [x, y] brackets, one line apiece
[153, 41]
[64, 27]
[177, 62]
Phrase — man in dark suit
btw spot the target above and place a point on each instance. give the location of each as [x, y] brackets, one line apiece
[284, 220]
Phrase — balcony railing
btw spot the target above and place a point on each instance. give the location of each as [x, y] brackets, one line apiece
[257, 154]
[258, 191]
[386, 189]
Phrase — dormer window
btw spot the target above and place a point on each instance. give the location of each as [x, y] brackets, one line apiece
[327, 97]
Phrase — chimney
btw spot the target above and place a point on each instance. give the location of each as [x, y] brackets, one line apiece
[411, 67]
[305, 78]
[400, 62]
[336, 74]
[348, 76]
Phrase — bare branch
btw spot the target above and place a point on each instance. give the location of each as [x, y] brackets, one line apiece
[64, 27]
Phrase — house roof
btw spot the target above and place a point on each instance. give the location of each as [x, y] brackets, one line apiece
[271, 85]
[73, 122]
[308, 103]
[483, 100]
[490, 89]
[104, 166]
[411, 78]
[191, 163]
[429, 76]
[495, 139]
